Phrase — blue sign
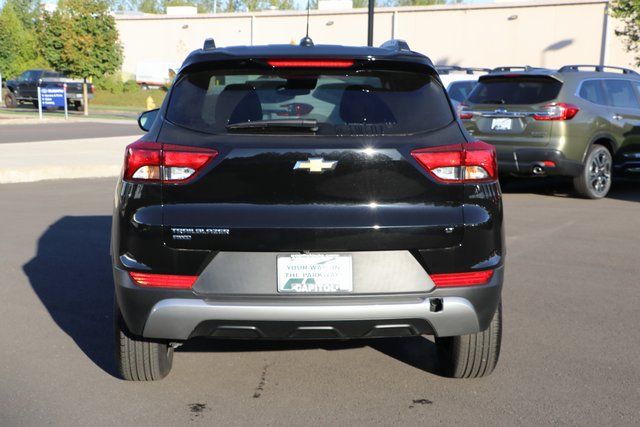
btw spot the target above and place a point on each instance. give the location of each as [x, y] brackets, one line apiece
[52, 97]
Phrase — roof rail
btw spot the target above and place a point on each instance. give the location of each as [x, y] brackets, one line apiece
[446, 69]
[395, 44]
[508, 68]
[209, 44]
[596, 68]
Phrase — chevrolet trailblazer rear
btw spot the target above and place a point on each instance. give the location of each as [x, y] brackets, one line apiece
[307, 192]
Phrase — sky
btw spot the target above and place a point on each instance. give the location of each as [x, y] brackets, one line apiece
[300, 4]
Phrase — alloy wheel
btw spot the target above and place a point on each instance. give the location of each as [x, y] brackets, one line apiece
[600, 171]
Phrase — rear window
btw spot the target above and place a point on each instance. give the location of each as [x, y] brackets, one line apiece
[51, 74]
[342, 102]
[515, 90]
[459, 91]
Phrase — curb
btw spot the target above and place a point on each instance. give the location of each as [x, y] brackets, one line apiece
[65, 159]
[6, 120]
[14, 176]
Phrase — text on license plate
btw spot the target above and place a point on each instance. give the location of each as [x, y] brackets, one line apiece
[501, 124]
[315, 273]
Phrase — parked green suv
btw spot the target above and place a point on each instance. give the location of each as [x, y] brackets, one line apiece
[581, 121]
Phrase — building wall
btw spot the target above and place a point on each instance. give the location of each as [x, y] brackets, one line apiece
[547, 33]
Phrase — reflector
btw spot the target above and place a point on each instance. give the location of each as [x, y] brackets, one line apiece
[461, 279]
[163, 280]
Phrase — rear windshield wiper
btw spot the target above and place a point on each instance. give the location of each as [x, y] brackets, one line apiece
[292, 124]
[494, 101]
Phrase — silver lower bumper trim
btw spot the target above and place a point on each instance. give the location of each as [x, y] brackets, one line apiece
[176, 319]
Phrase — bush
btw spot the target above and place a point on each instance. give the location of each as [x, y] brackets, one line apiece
[130, 86]
[110, 82]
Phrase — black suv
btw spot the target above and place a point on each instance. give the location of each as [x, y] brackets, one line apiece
[307, 192]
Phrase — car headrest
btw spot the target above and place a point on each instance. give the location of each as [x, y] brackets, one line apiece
[238, 103]
[360, 104]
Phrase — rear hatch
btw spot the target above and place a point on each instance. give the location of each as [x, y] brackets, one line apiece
[310, 159]
[505, 109]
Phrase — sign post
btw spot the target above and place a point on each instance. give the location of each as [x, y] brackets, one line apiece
[66, 107]
[40, 102]
[85, 98]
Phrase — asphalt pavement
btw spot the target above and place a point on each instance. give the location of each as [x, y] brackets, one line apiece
[35, 131]
[569, 354]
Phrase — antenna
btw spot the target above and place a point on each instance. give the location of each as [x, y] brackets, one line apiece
[308, 11]
[306, 41]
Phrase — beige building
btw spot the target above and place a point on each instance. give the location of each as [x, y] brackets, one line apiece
[547, 33]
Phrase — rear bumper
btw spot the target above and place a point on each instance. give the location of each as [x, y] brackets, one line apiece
[525, 160]
[178, 319]
[180, 315]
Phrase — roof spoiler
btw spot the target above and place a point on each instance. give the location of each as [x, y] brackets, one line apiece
[596, 68]
[509, 68]
[209, 44]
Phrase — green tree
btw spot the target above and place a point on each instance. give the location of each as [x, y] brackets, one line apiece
[26, 10]
[80, 38]
[150, 6]
[628, 11]
[18, 46]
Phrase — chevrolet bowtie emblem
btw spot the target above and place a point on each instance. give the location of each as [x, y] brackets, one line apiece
[315, 164]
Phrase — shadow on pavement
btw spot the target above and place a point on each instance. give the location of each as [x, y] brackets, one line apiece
[418, 352]
[621, 189]
[71, 274]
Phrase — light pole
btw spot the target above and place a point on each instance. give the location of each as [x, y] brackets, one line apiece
[372, 3]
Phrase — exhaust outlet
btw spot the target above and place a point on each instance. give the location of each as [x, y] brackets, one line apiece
[538, 170]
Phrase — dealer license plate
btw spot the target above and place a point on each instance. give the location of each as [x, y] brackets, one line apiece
[501, 124]
[315, 273]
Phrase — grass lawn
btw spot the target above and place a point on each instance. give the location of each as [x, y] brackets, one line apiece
[133, 101]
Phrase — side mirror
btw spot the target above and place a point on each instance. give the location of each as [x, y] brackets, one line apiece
[146, 119]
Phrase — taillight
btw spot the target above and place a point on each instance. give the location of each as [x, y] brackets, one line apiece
[557, 111]
[153, 162]
[295, 109]
[311, 63]
[143, 161]
[472, 278]
[181, 163]
[151, 280]
[464, 113]
[469, 162]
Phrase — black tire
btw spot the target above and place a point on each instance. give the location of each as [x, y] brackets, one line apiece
[10, 100]
[35, 104]
[138, 359]
[471, 356]
[594, 182]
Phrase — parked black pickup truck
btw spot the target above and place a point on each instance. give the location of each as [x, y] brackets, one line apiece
[25, 88]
